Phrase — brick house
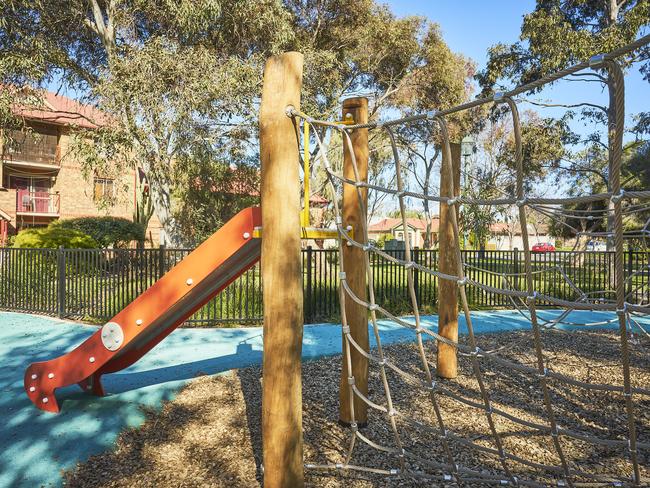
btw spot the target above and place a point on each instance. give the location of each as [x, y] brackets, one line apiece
[41, 182]
[416, 229]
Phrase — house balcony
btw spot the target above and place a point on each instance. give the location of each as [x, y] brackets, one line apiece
[37, 203]
[31, 161]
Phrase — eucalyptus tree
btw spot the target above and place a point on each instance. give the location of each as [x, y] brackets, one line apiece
[558, 34]
[170, 75]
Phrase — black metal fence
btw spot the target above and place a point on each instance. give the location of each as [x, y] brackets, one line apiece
[95, 284]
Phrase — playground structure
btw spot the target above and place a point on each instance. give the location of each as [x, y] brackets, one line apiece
[235, 247]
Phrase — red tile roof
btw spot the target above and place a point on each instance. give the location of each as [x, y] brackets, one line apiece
[61, 110]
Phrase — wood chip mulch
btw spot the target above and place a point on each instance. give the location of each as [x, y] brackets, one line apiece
[209, 435]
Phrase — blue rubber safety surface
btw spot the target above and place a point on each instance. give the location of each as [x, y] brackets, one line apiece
[35, 446]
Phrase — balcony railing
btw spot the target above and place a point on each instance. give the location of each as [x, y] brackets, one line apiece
[37, 202]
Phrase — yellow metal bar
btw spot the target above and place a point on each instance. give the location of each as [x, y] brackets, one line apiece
[304, 216]
[309, 233]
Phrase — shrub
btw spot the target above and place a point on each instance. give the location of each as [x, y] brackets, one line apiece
[54, 236]
[381, 241]
[106, 231]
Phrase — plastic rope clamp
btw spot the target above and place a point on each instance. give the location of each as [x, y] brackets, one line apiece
[346, 329]
[394, 471]
[373, 307]
[617, 198]
[342, 275]
[351, 380]
[596, 61]
[447, 477]
[531, 298]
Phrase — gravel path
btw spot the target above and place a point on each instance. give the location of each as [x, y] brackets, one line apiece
[210, 435]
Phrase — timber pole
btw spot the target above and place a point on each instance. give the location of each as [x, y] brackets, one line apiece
[447, 362]
[281, 274]
[355, 268]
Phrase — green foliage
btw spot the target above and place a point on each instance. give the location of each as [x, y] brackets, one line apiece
[558, 34]
[381, 241]
[106, 231]
[54, 236]
[209, 193]
[181, 80]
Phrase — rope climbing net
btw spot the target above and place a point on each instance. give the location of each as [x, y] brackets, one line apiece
[552, 407]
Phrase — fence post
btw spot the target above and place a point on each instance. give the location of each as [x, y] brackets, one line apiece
[60, 268]
[309, 309]
[630, 271]
[161, 260]
[515, 268]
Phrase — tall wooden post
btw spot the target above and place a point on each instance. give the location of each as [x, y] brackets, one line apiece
[354, 259]
[447, 365]
[281, 274]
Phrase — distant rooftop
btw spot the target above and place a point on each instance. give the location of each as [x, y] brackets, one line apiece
[61, 110]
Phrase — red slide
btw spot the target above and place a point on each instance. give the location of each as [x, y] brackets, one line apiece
[147, 320]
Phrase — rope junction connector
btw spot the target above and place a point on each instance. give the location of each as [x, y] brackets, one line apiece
[342, 276]
[351, 380]
[290, 111]
[617, 198]
[346, 329]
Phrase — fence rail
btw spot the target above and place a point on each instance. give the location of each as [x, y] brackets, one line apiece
[95, 284]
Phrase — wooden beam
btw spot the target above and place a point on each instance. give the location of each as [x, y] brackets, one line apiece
[447, 365]
[281, 274]
[355, 269]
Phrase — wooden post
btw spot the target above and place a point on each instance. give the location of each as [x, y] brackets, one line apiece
[447, 365]
[354, 259]
[281, 274]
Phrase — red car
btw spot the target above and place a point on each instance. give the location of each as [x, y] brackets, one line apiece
[543, 247]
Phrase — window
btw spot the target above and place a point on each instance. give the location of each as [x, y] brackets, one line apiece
[103, 189]
[35, 145]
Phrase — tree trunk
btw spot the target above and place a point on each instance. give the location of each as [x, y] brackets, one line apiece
[161, 199]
